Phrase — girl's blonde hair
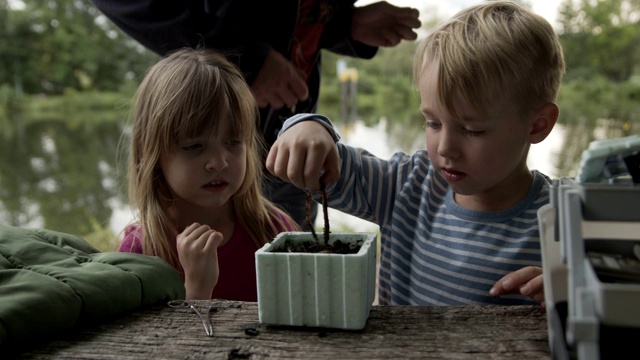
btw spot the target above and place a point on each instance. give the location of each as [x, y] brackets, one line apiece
[492, 50]
[188, 94]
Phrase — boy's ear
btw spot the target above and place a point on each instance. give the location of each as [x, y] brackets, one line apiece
[543, 122]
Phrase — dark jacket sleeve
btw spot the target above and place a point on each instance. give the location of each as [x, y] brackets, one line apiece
[244, 30]
[163, 26]
[337, 35]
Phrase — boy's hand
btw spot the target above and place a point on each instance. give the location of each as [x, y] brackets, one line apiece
[197, 249]
[526, 281]
[303, 154]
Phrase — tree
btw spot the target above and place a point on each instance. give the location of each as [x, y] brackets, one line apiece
[50, 46]
[600, 94]
[601, 37]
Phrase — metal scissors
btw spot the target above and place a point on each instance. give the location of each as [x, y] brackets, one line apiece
[205, 319]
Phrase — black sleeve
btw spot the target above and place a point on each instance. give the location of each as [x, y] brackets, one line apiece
[163, 26]
[337, 35]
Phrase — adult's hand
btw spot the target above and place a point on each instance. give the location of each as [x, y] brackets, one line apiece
[279, 83]
[383, 24]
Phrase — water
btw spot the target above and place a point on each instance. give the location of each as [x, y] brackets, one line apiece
[63, 176]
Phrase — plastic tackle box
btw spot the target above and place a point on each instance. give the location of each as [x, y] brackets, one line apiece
[590, 241]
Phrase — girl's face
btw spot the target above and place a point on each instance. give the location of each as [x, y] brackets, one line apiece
[206, 172]
[482, 158]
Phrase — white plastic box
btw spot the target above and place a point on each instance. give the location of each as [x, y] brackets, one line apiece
[588, 233]
[583, 218]
[317, 289]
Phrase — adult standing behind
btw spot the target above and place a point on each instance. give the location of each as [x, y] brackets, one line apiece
[276, 45]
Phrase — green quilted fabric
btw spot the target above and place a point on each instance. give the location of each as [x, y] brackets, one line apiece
[50, 281]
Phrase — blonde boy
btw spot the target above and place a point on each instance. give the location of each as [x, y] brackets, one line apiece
[458, 220]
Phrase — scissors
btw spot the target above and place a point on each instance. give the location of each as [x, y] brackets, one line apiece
[205, 319]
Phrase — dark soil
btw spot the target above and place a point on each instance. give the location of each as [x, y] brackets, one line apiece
[312, 246]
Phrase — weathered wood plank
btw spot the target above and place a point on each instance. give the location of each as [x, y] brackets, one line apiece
[160, 332]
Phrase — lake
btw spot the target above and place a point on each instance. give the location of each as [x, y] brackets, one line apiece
[64, 176]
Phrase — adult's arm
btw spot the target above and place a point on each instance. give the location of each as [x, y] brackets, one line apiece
[163, 26]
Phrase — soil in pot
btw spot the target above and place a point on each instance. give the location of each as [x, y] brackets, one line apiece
[314, 246]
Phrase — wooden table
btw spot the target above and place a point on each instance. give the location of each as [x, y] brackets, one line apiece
[392, 332]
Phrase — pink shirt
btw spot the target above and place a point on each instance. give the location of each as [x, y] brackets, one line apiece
[236, 260]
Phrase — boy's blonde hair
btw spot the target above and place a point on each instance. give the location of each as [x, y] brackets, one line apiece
[492, 50]
[188, 94]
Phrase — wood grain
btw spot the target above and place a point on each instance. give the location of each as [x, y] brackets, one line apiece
[392, 332]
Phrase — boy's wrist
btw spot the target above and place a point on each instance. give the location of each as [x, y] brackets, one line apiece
[321, 119]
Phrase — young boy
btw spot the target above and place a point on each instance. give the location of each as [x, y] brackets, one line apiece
[458, 220]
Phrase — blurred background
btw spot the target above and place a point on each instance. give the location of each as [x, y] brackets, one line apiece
[67, 77]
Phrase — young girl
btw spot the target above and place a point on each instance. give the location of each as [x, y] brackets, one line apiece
[195, 173]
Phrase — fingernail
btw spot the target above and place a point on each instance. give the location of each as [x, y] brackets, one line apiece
[507, 284]
[493, 291]
[524, 290]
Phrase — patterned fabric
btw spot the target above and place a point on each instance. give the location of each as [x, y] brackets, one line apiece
[434, 252]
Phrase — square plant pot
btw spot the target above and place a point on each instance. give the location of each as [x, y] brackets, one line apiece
[316, 289]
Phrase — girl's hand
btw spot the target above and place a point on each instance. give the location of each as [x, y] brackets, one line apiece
[304, 152]
[526, 281]
[197, 249]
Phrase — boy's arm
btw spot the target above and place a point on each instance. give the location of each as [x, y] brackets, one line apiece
[310, 117]
[305, 152]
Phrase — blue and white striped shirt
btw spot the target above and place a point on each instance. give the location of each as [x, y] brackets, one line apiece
[433, 251]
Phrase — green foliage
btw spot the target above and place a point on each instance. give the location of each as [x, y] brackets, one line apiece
[593, 109]
[600, 94]
[601, 38]
[383, 90]
[50, 46]
[101, 237]
[79, 108]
